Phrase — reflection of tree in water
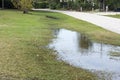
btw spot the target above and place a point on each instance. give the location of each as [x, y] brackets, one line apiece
[85, 43]
[56, 32]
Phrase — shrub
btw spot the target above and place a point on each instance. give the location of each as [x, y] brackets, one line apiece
[40, 5]
[54, 5]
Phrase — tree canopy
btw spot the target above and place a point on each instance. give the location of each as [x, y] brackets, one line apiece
[24, 5]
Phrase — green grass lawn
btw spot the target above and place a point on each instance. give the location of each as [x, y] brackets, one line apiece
[23, 37]
[115, 16]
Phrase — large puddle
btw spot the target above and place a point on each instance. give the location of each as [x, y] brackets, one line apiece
[77, 50]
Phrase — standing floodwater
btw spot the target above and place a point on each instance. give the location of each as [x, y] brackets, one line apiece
[77, 50]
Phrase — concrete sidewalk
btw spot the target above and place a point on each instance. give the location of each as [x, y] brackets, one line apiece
[108, 23]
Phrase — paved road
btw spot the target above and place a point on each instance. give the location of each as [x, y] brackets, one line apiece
[111, 24]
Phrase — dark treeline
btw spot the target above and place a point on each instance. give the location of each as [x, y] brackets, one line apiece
[7, 4]
[79, 4]
[85, 5]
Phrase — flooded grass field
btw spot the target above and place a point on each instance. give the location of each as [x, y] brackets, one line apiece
[77, 50]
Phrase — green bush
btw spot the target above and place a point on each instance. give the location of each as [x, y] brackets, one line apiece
[54, 5]
[40, 5]
[87, 6]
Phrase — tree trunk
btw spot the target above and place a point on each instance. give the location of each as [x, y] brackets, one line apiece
[25, 11]
[103, 5]
[63, 3]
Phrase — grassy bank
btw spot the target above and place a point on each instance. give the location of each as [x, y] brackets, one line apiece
[115, 16]
[95, 33]
[23, 37]
[23, 55]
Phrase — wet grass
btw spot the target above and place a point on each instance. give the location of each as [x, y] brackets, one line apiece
[115, 54]
[23, 55]
[23, 37]
[115, 16]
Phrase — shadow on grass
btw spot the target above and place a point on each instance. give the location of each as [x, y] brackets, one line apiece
[44, 13]
[38, 12]
[51, 17]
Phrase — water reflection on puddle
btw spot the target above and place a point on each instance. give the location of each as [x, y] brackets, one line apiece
[79, 51]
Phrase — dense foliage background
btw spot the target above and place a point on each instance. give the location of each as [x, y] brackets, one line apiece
[7, 4]
[71, 4]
